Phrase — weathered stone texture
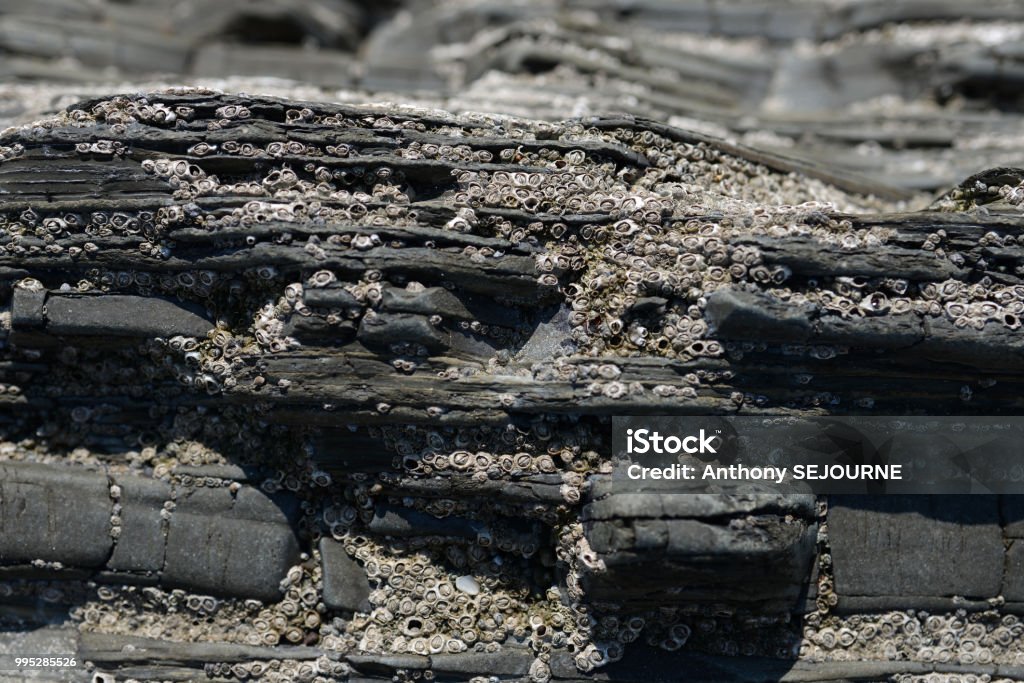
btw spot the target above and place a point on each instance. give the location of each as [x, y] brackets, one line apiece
[916, 546]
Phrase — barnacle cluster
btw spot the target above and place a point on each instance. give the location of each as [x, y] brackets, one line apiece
[156, 613]
[430, 600]
[959, 638]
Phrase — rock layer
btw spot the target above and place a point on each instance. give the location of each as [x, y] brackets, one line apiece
[418, 324]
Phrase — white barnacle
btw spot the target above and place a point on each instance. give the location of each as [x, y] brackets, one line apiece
[875, 303]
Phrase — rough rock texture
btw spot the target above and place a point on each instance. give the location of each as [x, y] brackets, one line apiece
[295, 389]
[419, 329]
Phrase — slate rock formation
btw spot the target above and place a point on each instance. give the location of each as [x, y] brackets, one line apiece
[300, 391]
[331, 389]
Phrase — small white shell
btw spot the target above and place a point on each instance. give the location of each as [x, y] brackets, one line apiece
[467, 584]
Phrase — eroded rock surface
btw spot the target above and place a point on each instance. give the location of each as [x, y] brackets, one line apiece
[335, 384]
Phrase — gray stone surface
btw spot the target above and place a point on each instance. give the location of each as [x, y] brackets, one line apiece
[916, 545]
[509, 661]
[213, 547]
[123, 315]
[385, 663]
[140, 547]
[734, 313]
[715, 553]
[381, 331]
[54, 515]
[27, 308]
[392, 521]
[346, 587]
[1013, 577]
[330, 297]
[652, 557]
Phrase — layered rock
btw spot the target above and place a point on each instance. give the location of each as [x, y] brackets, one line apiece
[370, 355]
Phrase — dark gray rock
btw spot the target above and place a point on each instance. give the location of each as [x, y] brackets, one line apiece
[329, 297]
[916, 545]
[385, 330]
[109, 648]
[714, 552]
[227, 471]
[1013, 578]
[346, 587]
[123, 315]
[367, 663]
[392, 521]
[509, 661]
[140, 547]
[54, 515]
[252, 503]
[27, 308]
[734, 313]
[213, 547]
[654, 555]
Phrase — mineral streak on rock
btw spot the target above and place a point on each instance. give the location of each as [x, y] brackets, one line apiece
[334, 384]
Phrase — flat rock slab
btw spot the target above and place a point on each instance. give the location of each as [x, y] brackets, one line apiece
[508, 661]
[1013, 582]
[762, 562]
[140, 546]
[225, 546]
[123, 315]
[54, 515]
[916, 545]
[697, 505]
[393, 521]
[107, 648]
[27, 308]
[346, 587]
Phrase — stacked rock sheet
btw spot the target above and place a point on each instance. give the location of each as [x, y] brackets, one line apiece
[300, 389]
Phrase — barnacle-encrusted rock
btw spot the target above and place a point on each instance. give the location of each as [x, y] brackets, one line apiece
[364, 358]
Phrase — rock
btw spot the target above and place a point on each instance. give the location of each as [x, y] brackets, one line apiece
[916, 545]
[754, 549]
[430, 317]
[27, 308]
[228, 471]
[121, 315]
[762, 562]
[390, 521]
[1013, 578]
[367, 663]
[54, 515]
[382, 331]
[734, 312]
[346, 587]
[508, 661]
[1011, 511]
[140, 546]
[127, 649]
[333, 297]
[215, 546]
